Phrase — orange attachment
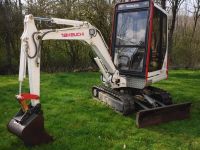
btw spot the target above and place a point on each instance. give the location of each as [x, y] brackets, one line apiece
[26, 97]
[24, 105]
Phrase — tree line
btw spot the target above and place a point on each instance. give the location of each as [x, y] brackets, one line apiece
[184, 37]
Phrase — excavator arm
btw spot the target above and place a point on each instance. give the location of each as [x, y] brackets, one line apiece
[28, 123]
[78, 30]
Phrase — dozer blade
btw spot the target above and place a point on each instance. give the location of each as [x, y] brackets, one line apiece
[162, 114]
[31, 131]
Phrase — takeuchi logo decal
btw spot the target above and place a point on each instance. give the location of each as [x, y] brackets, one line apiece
[72, 34]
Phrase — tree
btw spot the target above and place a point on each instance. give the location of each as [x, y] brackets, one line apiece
[196, 15]
[175, 4]
[6, 20]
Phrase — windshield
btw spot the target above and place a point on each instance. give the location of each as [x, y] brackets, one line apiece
[131, 28]
[130, 40]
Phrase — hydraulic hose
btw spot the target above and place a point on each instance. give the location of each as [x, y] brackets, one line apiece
[37, 48]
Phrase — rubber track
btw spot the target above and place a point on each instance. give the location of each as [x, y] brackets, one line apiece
[167, 99]
[128, 106]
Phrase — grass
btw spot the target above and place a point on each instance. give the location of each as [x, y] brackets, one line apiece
[78, 122]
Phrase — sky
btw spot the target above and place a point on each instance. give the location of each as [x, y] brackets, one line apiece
[187, 5]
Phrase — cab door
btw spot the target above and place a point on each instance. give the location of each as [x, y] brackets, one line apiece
[129, 44]
[157, 65]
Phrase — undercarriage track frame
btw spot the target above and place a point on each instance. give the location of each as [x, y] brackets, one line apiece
[159, 111]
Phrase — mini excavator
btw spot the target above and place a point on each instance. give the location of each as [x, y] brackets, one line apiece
[138, 57]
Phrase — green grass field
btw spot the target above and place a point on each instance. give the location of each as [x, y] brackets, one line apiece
[78, 122]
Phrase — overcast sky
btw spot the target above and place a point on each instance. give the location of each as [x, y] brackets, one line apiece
[186, 7]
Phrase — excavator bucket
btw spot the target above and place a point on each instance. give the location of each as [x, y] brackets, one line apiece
[162, 114]
[29, 128]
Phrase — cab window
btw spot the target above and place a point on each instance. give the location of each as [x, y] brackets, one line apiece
[159, 41]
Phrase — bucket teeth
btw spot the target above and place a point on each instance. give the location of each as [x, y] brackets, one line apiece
[154, 116]
[31, 130]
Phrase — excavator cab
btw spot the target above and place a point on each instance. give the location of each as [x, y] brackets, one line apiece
[139, 40]
[139, 51]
